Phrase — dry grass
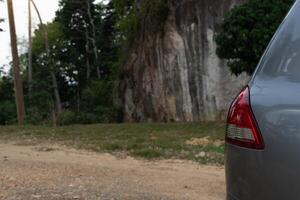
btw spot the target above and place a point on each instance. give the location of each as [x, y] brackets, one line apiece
[201, 142]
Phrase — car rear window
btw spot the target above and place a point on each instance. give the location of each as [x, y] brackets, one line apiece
[283, 55]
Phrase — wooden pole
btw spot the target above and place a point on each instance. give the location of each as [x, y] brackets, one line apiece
[16, 65]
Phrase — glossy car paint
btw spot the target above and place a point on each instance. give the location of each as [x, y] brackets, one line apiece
[272, 173]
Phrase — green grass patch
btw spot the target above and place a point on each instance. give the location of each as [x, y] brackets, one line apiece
[145, 140]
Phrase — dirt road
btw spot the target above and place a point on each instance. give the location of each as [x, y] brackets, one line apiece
[55, 172]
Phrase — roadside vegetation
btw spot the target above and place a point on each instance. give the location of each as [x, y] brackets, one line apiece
[76, 71]
[200, 142]
[247, 30]
[88, 42]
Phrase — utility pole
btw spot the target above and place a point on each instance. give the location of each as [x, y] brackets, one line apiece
[16, 65]
[29, 50]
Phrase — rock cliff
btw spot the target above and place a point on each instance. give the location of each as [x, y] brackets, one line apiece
[175, 74]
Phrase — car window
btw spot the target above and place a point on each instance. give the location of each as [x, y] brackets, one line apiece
[283, 56]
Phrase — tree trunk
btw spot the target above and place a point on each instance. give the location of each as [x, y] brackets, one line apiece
[87, 59]
[52, 73]
[93, 39]
[78, 97]
[29, 50]
[16, 68]
[53, 114]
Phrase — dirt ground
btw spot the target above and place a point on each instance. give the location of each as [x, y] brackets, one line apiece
[55, 172]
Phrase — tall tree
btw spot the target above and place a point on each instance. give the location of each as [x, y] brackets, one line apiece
[247, 30]
[16, 68]
[61, 58]
[29, 49]
[93, 34]
[57, 97]
[78, 19]
[82, 37]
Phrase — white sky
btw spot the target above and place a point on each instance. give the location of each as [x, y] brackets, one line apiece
[47, 9]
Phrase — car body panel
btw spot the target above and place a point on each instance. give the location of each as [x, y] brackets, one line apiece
[272, 173]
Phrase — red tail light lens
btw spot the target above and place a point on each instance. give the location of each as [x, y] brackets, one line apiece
[242, 129]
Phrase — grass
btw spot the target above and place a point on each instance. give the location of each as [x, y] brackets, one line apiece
[145, 140]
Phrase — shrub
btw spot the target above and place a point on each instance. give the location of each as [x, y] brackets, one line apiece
[67, 118]
[7, 113]
[87, 118]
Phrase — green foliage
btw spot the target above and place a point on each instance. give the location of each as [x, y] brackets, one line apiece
[67, 117]
[155, 12]
[78, 28]
[98, 99]
[122, 7]
[101, 114]
[128, 28]
[131, 19]
[247, 30]
[143, 140]
[39, 105]
[126, 24]
[7, 105]
[84, 46]
[85, 100]
[54, 33]
[7, 112]
[88, 118]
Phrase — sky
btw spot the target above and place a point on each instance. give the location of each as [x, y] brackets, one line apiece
[47, 9]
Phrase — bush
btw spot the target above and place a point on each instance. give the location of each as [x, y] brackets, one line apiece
[38, 107]
[101, 115]
[67, 118]
[7, 113]
[108, 114]
[98, 100]
[36, 116]
[87, 118]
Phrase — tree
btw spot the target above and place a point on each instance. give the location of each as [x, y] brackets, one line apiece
[82, 34]
[29, 48]
[79, 22]
[57, 98]
[16, 66]
[91, 27]
[60, 57]
[247, 30]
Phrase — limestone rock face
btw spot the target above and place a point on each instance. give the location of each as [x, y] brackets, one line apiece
[175, 75]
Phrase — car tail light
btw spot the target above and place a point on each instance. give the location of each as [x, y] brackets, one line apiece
[242, 129]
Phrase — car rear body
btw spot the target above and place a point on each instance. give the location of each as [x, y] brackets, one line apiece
[272, 172]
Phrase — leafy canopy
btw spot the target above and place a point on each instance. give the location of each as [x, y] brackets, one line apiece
[247, 30]
[133, 15]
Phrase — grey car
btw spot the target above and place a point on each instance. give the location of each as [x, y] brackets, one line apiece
[263, 126]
